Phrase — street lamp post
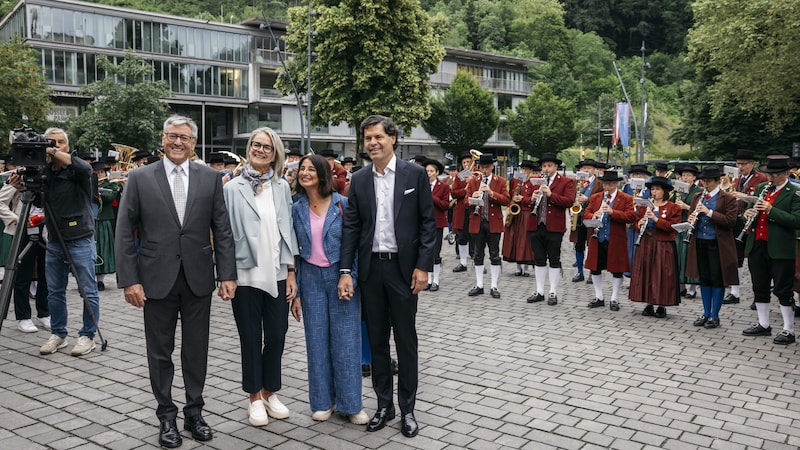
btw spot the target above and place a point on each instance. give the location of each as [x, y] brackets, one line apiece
[311, 34]
[644, 110]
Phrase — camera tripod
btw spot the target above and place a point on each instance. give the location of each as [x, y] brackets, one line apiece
[15, 256]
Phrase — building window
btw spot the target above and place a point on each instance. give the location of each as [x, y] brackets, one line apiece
[503, 102]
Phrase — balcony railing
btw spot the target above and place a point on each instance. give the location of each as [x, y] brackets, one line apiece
[493, 84]
[271, 57]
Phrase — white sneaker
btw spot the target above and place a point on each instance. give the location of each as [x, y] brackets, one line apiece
[53, 344]
[321, 416]
[83, 346]
[275, 408]
[359, 419]
[42, 322]
[27, 326]
[257, 414]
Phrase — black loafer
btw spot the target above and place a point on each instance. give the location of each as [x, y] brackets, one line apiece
[525, 274]
[614, 306]
[199, 428]
[518, 274]
[535, 298]
[494, 293]
[434, 287]
[475, 291]
[589, 281]
[578, 278]
[596, 303]
[169, 436]
[661, 312]
[552, 300]
[784, 338]
[101, 286]
[460, 268]
[712, 323]
[753, 306]
[409, 428]
[700, 321]
[757, 330]
[427, 287]
[648, 311]
[366, 370]
[683, 292]
[378, 421]
[730, 299]
[691, 294]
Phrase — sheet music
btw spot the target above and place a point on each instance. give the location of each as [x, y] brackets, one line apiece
[643, 202]
[592, 223]
[681, 186]
[637, 183]
[681, 227]
[581, 176]
[732, 172]
[464, 174]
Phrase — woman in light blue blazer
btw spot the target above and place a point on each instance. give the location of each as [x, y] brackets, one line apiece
[259, 208]
[332, 324]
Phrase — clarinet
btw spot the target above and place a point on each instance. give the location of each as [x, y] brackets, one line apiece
[642, 229]
[752, 219]
[693, 219]
[477, 211]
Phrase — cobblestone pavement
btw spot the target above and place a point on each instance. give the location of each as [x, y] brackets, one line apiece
[494, 374]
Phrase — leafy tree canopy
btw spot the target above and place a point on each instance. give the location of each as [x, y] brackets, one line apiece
[462, 117]
[543, 123]
[126, 108]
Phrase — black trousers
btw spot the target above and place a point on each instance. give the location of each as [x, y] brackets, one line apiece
[484, 239]
[22, 284]
[160, 320]
[388, 304]
[262, 321]
[764, 269]
[546, 245]
[582, 234]
[709, 265]
[437, 253]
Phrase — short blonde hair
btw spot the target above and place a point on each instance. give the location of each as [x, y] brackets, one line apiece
[279, 153]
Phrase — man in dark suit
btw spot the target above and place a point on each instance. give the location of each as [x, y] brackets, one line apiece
[390, 225]
[771, 248]
[171, 206]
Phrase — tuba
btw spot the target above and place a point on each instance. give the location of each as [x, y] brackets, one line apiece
[239, 162]
[126, 152]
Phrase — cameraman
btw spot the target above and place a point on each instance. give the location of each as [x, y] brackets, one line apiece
[68, 193]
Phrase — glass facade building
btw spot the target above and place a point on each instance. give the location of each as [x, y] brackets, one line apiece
[222, 75]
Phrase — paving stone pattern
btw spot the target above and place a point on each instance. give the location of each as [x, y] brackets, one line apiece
[494, 374]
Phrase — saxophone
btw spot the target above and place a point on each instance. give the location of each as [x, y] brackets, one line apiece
[514, 208]
[576, 208]
[752, 219]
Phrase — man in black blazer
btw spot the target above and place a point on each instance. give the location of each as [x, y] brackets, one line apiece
[389, 224]
[171, 207]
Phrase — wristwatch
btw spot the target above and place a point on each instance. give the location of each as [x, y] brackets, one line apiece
[53, 152]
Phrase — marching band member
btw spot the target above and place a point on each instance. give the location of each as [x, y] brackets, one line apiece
[486, 222]
[654, 277]
[441, 202]
[339, 172]
[637, 171]
[745, 185]
[711, 254]
[461, 212]
[688, 174]
[547, 225]
[588, 166]
[607, 251]
[772, 249]
[516, 246]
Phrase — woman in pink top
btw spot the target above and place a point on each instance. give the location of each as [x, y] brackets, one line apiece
[332, 325]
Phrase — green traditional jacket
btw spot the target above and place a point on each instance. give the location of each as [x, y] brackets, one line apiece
[782, 223]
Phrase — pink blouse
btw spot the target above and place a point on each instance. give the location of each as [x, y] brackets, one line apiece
[318, 257]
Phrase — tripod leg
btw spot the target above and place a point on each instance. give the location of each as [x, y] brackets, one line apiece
[87, 306]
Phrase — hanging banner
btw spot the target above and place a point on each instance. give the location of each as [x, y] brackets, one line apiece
[622, 125]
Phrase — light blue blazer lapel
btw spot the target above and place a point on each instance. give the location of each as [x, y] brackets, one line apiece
[246, 192]
[166, 193]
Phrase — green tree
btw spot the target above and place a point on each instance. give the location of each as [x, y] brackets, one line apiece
[543, 122]
[374, 57]
[462, 117]
[126, 108]
[752, 47]
[22, 89]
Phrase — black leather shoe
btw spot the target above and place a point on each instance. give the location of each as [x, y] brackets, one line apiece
[199, 428]
[518, 274]
[395, 368]
[596, 303]
[730, 299]
[797, 311]
[101, 286]
[691, 294]
[648, 311]
[460, 268]
[661, 312]
[535, 298]
[434, 287]
[427, 287]
[712, 323]
[589, 281]
[526, 274]
[382, 415]
[475, 291]
[494, 293]
[366, 370]
[757, 330]
[784, 338]
[753, 306]
[169, 435]
[578, 278]
[683, 292]
[552, 300]
[700, 321]
[614, 306]
[410, 428]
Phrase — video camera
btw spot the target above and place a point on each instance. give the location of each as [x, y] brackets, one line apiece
[29, 152]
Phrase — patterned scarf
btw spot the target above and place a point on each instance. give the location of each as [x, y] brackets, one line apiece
[255, 177]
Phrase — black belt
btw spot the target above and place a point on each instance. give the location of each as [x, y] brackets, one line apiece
[385, 256]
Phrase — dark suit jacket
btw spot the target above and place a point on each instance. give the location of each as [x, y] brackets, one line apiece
[414, 224]
[147, 208]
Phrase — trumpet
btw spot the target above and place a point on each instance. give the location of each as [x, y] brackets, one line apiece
[642, 228]
[752, 218]
[693, 220]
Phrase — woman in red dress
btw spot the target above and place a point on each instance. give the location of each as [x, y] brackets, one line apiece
[654, 275]
[516, 245]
